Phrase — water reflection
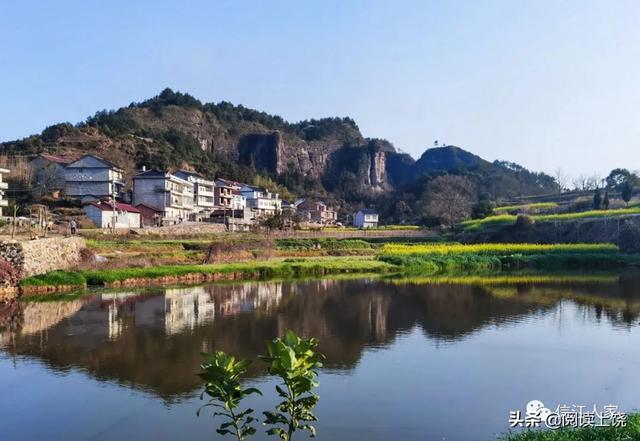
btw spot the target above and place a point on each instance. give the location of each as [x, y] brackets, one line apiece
[151, 339]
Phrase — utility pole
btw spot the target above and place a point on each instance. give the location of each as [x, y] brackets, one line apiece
[113, 212]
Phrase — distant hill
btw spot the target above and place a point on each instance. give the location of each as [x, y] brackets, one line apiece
[327, 157]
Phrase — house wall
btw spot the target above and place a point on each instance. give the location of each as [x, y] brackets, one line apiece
[103, 218]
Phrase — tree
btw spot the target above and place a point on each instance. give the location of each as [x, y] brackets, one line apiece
[626, 192]
[597, 200]
[605, 201]
[449, 198]
[618, 177]
[562, 180]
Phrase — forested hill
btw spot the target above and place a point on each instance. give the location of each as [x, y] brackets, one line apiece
[327, 157]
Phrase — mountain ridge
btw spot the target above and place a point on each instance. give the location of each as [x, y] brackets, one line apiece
[327, 157]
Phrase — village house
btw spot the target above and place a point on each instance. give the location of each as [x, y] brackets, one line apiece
[103, 213]
[48, 173]
[149, 216]
[315, 212]
[223, 193]
[3, 186]
[92, 178]
[167, 193]
[366, 218]
[203, 192]
[262, 201]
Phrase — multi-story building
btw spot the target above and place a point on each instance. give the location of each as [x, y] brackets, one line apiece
[203, 191]
[315, 212]
[262, 201]
[366, 218]
[167, 193]
[48, 173]
[92, 178]
[223, 193]
[3, 186]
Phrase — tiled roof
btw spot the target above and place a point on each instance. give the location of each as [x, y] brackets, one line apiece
[56, 159]
[108, 206]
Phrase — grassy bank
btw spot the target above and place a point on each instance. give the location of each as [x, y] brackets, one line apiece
[629, 433]
[510, 219]
[437, 258]
[527, 208]
[288, 268]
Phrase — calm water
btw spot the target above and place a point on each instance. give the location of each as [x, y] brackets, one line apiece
[411, 361]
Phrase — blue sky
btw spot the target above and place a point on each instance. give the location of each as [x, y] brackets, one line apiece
[546, 84]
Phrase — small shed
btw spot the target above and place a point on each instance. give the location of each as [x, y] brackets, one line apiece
[102, 214]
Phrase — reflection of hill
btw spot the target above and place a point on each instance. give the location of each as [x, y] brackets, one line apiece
[153, 341]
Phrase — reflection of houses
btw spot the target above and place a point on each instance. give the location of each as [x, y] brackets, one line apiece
[315, 212]
[90, 178]
[47, 173]
[164, 192]
[186, 308]
[103, 214]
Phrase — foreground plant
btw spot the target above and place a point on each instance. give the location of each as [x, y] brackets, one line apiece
[295, 361]
[221, 375]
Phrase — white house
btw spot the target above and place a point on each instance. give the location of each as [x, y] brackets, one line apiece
[202, 190]
[93, 178]
[169, 194]
[261, 200]
[366, 218]
[48, 173]
[3, 186]
[102, 214]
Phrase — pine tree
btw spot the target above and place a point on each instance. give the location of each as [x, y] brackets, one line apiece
[605, 201]
[597, 200]
[627, 191]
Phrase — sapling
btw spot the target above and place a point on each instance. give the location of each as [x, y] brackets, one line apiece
[221, 375]
[294, 361]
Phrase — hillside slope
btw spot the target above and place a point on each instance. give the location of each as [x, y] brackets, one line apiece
[327, 157]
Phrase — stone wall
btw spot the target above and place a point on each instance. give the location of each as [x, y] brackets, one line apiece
[32, 257]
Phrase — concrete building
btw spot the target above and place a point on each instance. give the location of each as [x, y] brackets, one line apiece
[3, 186]
[169, 194]
[223, 193]
[92, 178]
[102, 214]
[48, 173]
[366, 218]
[315, 212]
[203, 191]
[261, 200]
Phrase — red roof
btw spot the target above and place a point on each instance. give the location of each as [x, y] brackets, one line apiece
[108, 206]
[56, 159]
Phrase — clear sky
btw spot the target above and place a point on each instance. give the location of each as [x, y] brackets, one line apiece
[546, 84]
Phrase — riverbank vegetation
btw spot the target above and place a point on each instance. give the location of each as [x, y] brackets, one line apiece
[510, 219]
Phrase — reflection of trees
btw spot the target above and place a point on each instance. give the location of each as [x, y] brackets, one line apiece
[153, 340]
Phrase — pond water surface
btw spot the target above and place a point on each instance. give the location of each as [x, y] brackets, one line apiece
[410, 360]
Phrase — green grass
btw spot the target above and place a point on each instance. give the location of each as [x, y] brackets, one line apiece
[55, 278]
[508, 219]
[629, 433]
[261, 269]
[435, 258]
